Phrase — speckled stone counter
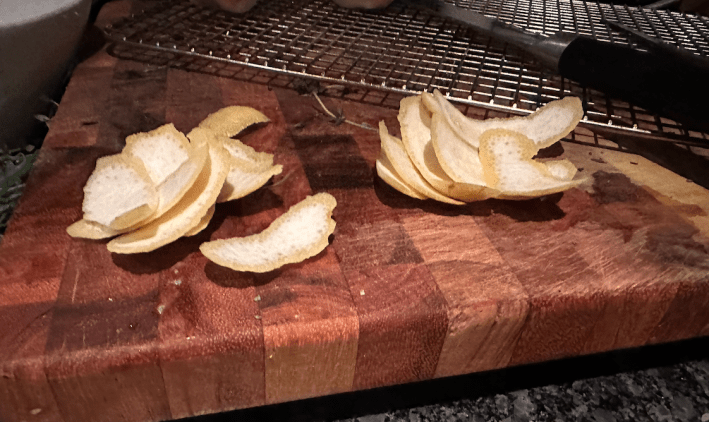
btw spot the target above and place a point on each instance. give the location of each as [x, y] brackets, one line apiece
[668, 383]
[674, 393]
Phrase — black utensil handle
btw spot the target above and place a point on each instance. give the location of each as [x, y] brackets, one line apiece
[672, 85]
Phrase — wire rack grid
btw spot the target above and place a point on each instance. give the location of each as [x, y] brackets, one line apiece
[407, 50]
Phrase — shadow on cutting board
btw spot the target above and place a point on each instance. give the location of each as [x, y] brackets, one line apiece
[678, 159]
[167, 256]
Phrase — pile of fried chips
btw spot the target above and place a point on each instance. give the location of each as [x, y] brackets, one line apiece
[164, 185]
[446, 156]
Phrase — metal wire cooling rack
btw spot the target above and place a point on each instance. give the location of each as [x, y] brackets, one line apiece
[407, 50]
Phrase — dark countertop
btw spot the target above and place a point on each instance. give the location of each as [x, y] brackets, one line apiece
[668, 383]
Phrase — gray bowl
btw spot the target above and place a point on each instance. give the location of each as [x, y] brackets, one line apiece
[38, 39]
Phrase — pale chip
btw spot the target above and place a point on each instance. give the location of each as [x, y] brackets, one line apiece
[171, 160]
[203, 222]
[185, 215]
[121, 208]
[91, 230]
[174, 187]
[241, 151]
[236, 148]
[298, 234]
[245, 177]
[509, 155]
[416, 137]
[544, 127]
[395, 152]
[561, 169]
[248, 168]
[458, 158]
[162, 151]
[386, 171]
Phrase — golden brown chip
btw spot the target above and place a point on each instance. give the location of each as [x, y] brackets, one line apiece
[230, 121]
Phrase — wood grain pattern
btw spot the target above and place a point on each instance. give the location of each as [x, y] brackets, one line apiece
[408, 290]
[101, 344]
[211, 344]
[486, 304]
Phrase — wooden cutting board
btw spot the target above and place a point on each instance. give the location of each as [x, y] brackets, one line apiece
[407, 290]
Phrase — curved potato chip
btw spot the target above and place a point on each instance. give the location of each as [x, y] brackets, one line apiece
[561, 169]
[298, 234]
[545, 126]
[114, 208]
[416, 138]
[241, 151]
[395, 152]
[186, 214]
[170, 159]
[91, 230]
[248, 169]
[509, 155]
[388, 174]
[176, 185]
[244, 178]
[458, 158]
[229, 121]
[236, 148]
[162, 151]
[203, 222]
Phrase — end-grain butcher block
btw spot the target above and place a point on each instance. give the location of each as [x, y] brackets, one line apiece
[405, 290]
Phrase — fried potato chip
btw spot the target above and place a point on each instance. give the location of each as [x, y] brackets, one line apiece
[561, 169]
[230, 121]
[395, 152]
[171, 161]
[174, 187]
[458, 158]
[118, 209]
[236, 148]
[203, 222]
[244, 178]
[248, 169]
[386, 171]
[298, 234]
[162, 151]
[243, 152]
[91, 230]
[185, 215]
[545, 126]
[416, 137]
[508, 155]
